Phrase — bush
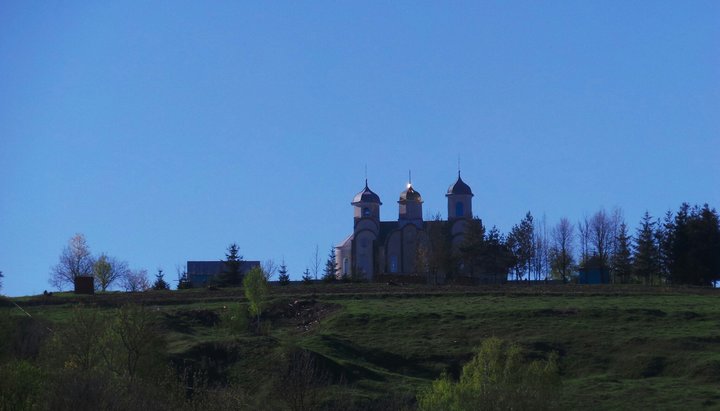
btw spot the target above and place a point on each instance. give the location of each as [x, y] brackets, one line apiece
[497, 378]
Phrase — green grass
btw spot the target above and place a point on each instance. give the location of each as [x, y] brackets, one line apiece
[620, 348]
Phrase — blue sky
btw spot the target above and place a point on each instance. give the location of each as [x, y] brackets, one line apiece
[164, 131]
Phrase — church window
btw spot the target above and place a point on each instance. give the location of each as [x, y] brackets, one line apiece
[459, 209]
[366, 212]
[346, 263]
[393, 264]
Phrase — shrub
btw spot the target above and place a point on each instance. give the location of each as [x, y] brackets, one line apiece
[497, 378]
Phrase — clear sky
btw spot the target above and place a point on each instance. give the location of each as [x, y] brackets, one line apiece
[166, 130]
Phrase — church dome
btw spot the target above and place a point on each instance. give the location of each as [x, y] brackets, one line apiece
[459, 187]
[410, 195]
[366, 196]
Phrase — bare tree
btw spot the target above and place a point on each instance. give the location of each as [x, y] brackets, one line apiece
[561, 250]
[540, 260]
[75, 261]
[108, 270]
[135, 280]
[603, 229]
[315, 263]
[584, 238]
[268, 268]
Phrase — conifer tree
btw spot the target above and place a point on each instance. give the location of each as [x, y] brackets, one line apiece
[329, 274]
[283, 276]
[231, 275]
[472, 247]
[160, 283]
[521, 244]
[621, 260]
[646, 255]
[306, 277]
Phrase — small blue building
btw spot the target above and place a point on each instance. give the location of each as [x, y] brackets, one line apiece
[594, 272]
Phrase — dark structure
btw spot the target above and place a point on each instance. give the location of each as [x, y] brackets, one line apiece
[594, 272]
[200, 273]
[85, 285]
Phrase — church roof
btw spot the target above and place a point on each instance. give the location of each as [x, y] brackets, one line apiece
[410, 195]
[366, 196]
[459, 187]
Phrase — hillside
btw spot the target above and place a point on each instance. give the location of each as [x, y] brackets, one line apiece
[377, 345]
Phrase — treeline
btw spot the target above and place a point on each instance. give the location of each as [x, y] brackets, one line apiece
[682, 247]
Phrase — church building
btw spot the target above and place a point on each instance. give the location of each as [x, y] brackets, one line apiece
[391, 247]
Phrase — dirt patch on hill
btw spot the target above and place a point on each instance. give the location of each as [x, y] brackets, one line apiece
[304, 314]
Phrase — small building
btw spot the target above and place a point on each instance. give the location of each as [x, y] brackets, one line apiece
[84, 284]
[200, 273]
[594, 272]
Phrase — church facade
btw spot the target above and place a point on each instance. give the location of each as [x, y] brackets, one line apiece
[394, 247]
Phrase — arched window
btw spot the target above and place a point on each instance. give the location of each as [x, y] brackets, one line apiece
[393, 264]
[459, 209]
[366, 212]
[346, 263]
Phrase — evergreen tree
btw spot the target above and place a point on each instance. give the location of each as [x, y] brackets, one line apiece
[329, 274]
[663, 238]
[646, 256]
[283, 276]
[520, 242]
[472, 247]
[160, 283]
[1, 277]
[231, 275]
[695, 242]
[621, 260]
[306, 277]
[497, 258]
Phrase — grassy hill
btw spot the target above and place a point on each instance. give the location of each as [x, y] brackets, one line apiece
[377, 345]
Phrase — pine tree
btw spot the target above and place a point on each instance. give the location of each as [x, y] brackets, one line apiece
[472, 247]
[663, 237]
[283, 276]
[160, 283]
[231, 275]
[329, 275]
[621, 260]
[307, 278]
[646, 256]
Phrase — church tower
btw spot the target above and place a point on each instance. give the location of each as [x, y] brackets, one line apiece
[459, 198]
[410, 210]
[366, 211]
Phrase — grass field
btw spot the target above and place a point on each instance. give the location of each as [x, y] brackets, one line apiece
[619, 347]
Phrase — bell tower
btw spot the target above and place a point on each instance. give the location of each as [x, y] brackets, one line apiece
[459, 196]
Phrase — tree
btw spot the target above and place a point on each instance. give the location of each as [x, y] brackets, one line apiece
[135, 280]
[231, 275]
[283, 276]
[160, 283]
[330, 272]
[75, 261]
[268, 267]
[438, 251]
[521, 244]
[561, 251]
[1, 277]
[663, 237]
[256, 291]
[695, 246]
[646, 256]
[584, 239]
[603, 228]
[315, 263]
[497, 258]
[497, 378]
[621, 261]
[541, 257]
[306, 277]
[472, 247]
[108, 270]
[182, 278]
